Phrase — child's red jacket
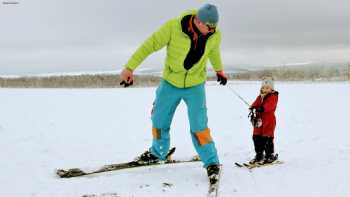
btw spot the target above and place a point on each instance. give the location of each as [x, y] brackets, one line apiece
[269, 104]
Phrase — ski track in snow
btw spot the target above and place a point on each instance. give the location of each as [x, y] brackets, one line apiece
[45, 129]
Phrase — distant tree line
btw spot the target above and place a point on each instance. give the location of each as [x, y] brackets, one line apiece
[295, 73]
[298, 73]
[75, 81]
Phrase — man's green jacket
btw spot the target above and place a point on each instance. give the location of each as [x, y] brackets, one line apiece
[178, 45]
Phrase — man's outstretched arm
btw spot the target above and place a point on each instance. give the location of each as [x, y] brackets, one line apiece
[155, 42]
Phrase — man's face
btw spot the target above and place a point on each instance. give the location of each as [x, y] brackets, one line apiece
[204, 28]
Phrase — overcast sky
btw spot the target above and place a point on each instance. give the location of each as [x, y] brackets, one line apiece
[40, 36]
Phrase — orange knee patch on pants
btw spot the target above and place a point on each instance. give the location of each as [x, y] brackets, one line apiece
[204, 137]
[156, 133]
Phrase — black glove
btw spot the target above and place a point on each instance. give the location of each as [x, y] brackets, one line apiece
[221, 78]
[260, 109]
[127, 83]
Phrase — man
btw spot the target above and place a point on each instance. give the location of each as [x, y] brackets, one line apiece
[191, 40]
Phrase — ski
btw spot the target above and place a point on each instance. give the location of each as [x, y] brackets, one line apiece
[252, 166]
[214, 187]
[76, 172]
[102, 195]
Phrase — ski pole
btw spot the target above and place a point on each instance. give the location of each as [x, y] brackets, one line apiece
[239, 96]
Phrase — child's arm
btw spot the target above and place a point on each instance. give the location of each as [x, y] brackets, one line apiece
[256, 103]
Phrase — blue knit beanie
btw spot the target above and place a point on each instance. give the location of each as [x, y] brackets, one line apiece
[208, 14]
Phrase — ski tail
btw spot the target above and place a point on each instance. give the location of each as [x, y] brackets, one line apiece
[214, 187]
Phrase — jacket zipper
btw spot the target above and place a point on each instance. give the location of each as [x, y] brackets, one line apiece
[185, 79]
[205, 48]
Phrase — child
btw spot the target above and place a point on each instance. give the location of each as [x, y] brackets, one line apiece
[264, 122]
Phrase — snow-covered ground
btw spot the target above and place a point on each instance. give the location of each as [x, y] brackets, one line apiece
[45, 129]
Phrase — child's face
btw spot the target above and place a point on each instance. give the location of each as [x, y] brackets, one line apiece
[265, 89]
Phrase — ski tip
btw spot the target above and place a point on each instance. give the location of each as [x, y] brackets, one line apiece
[172, 150]
[239, 165]
[60, 173]
[69, 173]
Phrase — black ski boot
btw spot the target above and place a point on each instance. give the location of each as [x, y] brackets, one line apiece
[147, 158]
[259, 145]
[270, 157]
[258, 159]
[213, 172]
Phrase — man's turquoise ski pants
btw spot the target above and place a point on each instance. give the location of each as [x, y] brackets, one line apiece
[167, 99]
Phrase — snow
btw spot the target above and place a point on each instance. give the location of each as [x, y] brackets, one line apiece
[45, 129]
